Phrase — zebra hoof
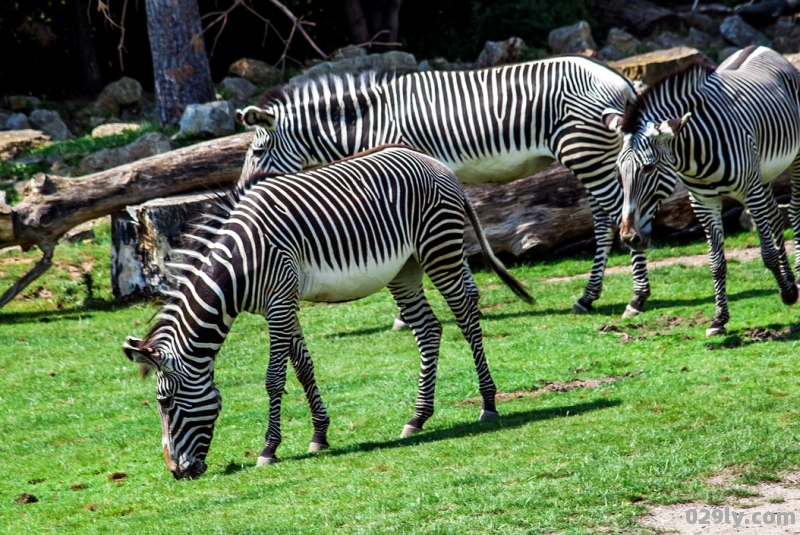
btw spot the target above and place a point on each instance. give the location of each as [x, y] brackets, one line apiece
[716, 331]
[263, 461]
[409, 430]
[790, 297]
[578, 308]
[400, 324]
[488, 416]
[630, 312]
[315, 447]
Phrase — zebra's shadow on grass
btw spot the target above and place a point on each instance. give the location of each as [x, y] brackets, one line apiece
[508, 420]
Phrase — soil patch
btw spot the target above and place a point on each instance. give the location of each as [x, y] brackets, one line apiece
[657, 327]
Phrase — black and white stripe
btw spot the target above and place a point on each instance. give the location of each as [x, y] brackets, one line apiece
[489, 125]
[335, 233]
[725, 132]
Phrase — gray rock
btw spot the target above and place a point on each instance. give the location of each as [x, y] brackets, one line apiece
[239, 88]
[441, 64]
[123, 92]
[741, 34]
[17, 121]
[785, 35]
[113, 129]
[49, 122]
[28, 160]
[257, 72]
[84, 231]
[619, 44]
[572, 39]
[4, 116]
[350, 51]
[386, 62]
[23, 103]
[212, 118]
[149, 144]
[665, 40]
[494, 53]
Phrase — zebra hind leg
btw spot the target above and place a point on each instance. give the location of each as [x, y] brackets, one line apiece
[406, 288]
[304, 369]
[709, 211]
[604, 236]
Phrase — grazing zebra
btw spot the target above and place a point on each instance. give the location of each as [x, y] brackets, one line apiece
[724, 132]
[335, 233]
[490, 125]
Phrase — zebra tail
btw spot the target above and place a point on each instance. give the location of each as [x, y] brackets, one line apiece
[489, 257]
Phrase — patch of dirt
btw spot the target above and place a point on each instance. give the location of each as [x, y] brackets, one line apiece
[756, 334]
[24, 498]
[749, 509]
[117, 476]
[552, 386]
[77, 486]
[657, 327]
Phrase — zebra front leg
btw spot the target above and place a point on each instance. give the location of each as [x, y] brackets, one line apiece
[406, 288]
[641, 285]
[794, 211]
[777, 227]
[304, 369]
[604, 236]
[709, 211]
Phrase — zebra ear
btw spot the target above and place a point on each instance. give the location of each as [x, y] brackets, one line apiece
[613, 121]
[145, 357]
[667, 129]
[255, 116]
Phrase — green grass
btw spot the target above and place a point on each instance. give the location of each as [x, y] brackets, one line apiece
[73, 411]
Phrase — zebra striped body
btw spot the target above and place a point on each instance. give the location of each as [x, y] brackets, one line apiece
[724, 132]
[490, 125]
[335, 233]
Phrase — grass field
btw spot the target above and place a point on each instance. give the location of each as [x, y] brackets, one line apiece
[80, 430]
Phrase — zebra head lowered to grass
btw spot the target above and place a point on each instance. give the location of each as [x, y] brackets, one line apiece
[335, 233]
[489, 125]
[724, 132]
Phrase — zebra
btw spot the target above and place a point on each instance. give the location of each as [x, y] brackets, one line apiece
[487, 125]
[336, 233]
[725, 133]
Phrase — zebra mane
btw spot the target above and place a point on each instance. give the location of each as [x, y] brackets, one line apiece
[692, 75]
[283, 93]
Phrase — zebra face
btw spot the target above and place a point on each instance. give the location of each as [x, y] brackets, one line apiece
[271, 150]
[188, 405]
[646, 166]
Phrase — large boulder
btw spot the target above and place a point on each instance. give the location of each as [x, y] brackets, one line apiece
[647, 68]
[215, 119]
[572, 39]
[238, 88]
[257, 72]
[393, 61]
[24, 103]
[17, 142]
[49, 122]
[124, 92]
[785, 35]
[17, 121]
[619, 44]
[512, 50]
[149, 144]
[741, 34]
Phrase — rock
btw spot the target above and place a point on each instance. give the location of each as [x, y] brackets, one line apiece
[28, 160]
[23, 103]
[741, 34]
[239, 88]
[212, 118]
[571, 39]
[441, 64]
[4, 116]
[350, 51]
[257, 72]
[647, 68]
[393, 61]
[84, 231]
[49, 122]
[727, 52]
[665, 40]
[113, 129]
[785, 35]
[494, 53]
[16, 142]
[619, 44]
[701, 21]
[699, 39]
[17, 121]
[124, 92]
[148, 145]
[747, 223]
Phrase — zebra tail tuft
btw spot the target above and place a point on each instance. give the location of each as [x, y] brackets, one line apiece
[489, 257]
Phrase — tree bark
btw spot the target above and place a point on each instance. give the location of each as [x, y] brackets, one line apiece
[367, 18]
[180, 65]
[356, 21]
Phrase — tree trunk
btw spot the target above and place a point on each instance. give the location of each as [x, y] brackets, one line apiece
[81, 38]
[356, 21]
[367, 18]
[180, 65]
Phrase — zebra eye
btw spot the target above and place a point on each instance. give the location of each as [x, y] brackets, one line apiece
[164, 401]
[649, 167]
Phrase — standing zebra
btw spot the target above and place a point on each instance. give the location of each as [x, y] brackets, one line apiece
[336, 233]
[489, 125]
[724, 132]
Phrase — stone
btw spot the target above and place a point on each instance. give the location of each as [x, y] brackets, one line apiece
[16, 142]
[114, 129]
[619, 44]
[647, 68]
[4, 116]
[701, 21]
[665, 40]
[149, 144]
[494, 53]
[741, 34]
[84, 231]
[350, 51]
[124, 92]
[214, 119]
[239, 88]
[785, 35]
[257, 72]
[572, 39]
[23, 103]
[17, 121]
[28, 160]
[393, 61]
[49, 122]
[442, 64]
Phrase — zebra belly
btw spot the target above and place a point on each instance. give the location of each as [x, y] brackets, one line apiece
[772, 168]
[503, 167]
[329, 285]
